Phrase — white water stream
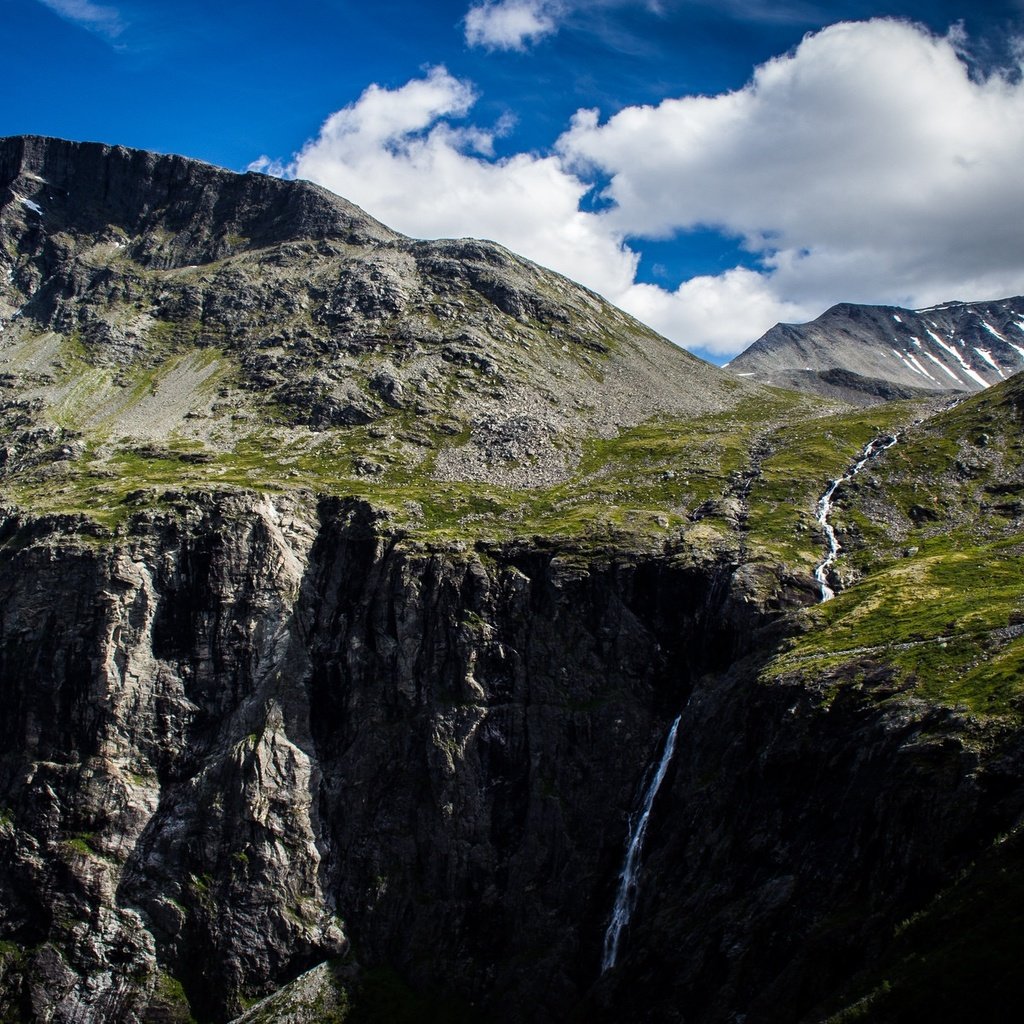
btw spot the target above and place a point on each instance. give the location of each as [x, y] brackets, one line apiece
[873, 449]
[625, 898]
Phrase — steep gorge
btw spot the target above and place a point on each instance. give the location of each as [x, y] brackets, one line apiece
[265, 734]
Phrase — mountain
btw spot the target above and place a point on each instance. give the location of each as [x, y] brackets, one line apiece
[880, 353]
[151, 296]
[352, 587]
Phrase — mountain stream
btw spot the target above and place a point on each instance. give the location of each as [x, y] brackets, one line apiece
[872, 450]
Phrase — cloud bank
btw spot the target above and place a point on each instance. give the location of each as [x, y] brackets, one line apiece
[867, 165]
[402, 155]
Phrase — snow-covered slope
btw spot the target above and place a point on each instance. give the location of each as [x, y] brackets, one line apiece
[883, 351]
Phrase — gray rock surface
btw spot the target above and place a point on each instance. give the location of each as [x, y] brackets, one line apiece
[867, 354]
[143, 295]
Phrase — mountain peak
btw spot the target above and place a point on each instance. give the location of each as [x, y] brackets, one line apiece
[869, 353]
[86, 187]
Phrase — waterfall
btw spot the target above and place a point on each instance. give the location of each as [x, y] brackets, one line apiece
[625, 898]
[875, 447]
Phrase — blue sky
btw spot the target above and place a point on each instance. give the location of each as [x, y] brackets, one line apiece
[711, 166]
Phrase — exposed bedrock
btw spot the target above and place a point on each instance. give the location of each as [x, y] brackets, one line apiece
[260, 735]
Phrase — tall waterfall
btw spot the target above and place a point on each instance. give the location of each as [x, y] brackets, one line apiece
[625, 898]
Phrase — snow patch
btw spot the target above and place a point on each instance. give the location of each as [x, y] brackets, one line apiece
[1017, 349]
[913, 359]
[34, 207]
[991, 330]
[896, 318]
[942, 366]
[908, 364]
[960, 359]
[987, 356]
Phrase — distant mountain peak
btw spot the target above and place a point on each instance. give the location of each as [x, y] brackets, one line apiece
[888, 351]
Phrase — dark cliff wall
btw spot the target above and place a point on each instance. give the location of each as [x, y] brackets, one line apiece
[90, 188]
[259, 735]
[251, 736]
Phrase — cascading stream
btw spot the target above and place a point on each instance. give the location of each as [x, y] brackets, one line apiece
[873, 449]
[625, 898]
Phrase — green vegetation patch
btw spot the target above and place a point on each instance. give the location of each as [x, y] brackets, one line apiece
[168, 1001]
[645, 481]
[802, 459]
[948, 619]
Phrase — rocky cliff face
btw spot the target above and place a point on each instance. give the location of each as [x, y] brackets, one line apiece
[261, 732]
[265, 734]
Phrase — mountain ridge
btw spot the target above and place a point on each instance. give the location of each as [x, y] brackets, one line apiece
[894, 352]
[293, 298]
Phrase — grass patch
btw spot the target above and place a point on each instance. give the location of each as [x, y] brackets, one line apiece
[942, 618]
[958, 958]
[804, 457]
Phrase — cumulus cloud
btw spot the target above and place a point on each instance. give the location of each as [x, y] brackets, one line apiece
[867, 165]
[720, 314]
[94, 17]
[403, 155]
[511, 24]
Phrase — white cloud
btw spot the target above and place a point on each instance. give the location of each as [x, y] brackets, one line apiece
[867, 165]
[511, 24]
[94, 17]
[719, 314]
[400, 154]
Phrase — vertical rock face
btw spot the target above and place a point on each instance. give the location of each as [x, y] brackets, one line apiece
[139, 192]
[257, 733]
[257, 736]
